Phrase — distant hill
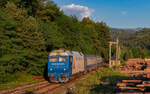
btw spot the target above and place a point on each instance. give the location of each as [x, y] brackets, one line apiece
[138, 38]
[128, 29]
[123, 34]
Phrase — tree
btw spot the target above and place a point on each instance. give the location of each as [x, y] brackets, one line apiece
[30, 41]
[30, 29]
[12, 54]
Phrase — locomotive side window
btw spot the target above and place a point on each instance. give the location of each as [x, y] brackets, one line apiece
[53, 59]
[62, 59]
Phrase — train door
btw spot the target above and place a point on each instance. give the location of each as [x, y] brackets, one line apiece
[70, 65]
[85, 64]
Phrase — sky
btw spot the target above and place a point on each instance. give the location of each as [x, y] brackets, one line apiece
[115, 13]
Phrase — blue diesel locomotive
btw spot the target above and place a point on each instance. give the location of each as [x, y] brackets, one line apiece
[63, 64]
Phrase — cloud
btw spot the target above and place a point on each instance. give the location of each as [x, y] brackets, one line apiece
[124, 12]
[77, 10]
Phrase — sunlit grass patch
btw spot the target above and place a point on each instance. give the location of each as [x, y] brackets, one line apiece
[92, 85]
[31, 88]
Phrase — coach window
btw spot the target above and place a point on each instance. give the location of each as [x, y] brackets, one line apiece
[53, 59]
[63, 59]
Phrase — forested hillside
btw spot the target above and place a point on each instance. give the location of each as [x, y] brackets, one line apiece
[134, 44]
[30, 29]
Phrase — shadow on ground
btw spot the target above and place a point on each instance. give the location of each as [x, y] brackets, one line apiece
[45, 75]
[108, 86]
[99, 89]
[29, 92]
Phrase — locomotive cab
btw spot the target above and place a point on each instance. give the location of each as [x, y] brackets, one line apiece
[59, 68]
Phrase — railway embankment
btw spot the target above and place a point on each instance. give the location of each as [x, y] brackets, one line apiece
[44, 87]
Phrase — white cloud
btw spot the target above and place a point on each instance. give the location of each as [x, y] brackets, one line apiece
[77, 10]
[124, 12]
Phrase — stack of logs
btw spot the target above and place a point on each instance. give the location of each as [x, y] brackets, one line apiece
[137, 66]
[133, 86]
[134, 64]
[140, 83]
[147, 69]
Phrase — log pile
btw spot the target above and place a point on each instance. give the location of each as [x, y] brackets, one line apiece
[139, 82]
[127, 86]
[147, 64]
[134, 65]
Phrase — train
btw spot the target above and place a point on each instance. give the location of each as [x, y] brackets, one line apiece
[65, 64]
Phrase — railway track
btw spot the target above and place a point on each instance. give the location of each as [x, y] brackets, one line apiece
[46, 89]
[52, 89]
[43, 87]
[19, 89]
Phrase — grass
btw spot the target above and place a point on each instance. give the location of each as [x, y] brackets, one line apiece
[31, 88]
[92, 84]
[21, 79]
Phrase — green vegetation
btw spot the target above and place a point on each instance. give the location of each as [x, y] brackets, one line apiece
[92, 85]
[30, 29]
[134, 44]
[20, 79]
[31, 89]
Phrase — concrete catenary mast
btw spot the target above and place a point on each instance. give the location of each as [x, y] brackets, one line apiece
[117, 52]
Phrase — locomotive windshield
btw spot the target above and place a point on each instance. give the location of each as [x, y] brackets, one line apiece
[53, 59]
[60, 59]
[63, 59]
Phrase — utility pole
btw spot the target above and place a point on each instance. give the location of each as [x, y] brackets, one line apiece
[110, 54]
[117, 52]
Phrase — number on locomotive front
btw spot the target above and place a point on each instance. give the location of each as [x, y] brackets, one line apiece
[59, 68]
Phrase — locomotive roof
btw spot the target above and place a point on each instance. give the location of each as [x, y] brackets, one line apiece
[63, 52]
[93, 56]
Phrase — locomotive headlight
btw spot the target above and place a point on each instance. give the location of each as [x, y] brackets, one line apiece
[51, 69]
[64, 69]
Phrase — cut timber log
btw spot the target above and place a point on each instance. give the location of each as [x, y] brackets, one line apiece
[129, 93]
[147, 69]
[132, 88]
[146, 93]
[125, 84]
[140, 85]
[143, 85]
[121, 84]
[132, 81]
[146, 82]
[148, 76]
